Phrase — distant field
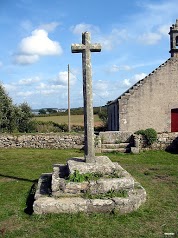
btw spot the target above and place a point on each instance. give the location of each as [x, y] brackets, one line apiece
[75, 119]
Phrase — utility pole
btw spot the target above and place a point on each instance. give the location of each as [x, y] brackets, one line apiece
[69, 128]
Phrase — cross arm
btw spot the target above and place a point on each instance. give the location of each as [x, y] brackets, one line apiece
[77, 48]
[95, 47]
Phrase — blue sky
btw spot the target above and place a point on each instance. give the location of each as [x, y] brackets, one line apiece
[36, 38]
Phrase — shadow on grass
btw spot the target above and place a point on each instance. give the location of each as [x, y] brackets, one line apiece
[31, 194]
[17, 178]
[30, 199]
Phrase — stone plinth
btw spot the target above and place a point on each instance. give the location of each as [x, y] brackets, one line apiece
[57, 194]
[102, 165]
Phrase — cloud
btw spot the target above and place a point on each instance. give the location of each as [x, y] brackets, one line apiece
[62, 79]
[10, 87]
[112, 39]
[133, 80]
[26, 93]
[25, 59]
[127, 82]
[150, 38]
[108, 41]
[114, 68]
[167, 7]
[43, 87]
[49, 27]
[164, 29]
[138, 77]
[82, 27]
[39, 44]
[29, 81]
[1, 64]
[152, 21]
[36, 45]
[100, 88]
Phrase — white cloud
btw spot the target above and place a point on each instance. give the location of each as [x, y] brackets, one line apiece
[53, 90]
[29, 81]
[108, 41]
[133, 80]
[161, 7]
[39, 44]
[164, 29]
[138, 77]
[114, 68]
[1, 64]
[115, 37]
[48, 92]
[42, 86]
[82, 27]
[36, 45]
[26, 93]
[25, 59]
[10, 87]
[62, 79]
[153, 20]
[100, 88]
[150, 38]
[49, 27]
[127, 82]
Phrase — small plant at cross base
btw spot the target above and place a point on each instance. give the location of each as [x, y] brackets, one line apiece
[77, 177]
[110, 194]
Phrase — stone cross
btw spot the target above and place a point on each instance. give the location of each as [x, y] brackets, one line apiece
[86, 48]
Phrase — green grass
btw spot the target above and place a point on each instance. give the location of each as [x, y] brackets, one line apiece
[75, 119]
[156, 171]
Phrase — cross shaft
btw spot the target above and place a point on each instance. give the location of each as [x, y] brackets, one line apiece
[86, 48]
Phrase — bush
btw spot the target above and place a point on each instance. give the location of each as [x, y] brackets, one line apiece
[103, 115]
[77, 128]
[48, 126]
[140, 132]
[150, 135]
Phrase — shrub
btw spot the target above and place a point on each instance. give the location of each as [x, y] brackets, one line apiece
[77, 128]
[140, 132]
[150, 135]
[48, 126]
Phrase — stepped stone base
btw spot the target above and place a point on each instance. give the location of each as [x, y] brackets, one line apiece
[56, 194]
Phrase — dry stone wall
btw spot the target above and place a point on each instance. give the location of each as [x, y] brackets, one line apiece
[165, 141]
[50, 141]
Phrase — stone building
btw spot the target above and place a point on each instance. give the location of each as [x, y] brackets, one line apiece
[153, 101]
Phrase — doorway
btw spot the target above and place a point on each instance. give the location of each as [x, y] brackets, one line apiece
[174, 120]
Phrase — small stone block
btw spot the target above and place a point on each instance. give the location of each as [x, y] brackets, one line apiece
[135, 150]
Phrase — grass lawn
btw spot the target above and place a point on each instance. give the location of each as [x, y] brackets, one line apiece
[75, 119]
[157, 171]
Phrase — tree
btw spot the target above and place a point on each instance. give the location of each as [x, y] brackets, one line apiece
[24, 118]
[7, 112]
[42, 111]
[103, 115]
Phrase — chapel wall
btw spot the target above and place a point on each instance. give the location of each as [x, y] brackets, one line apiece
[150, 104]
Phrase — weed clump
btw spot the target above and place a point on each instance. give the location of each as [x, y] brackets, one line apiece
[150, 134]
